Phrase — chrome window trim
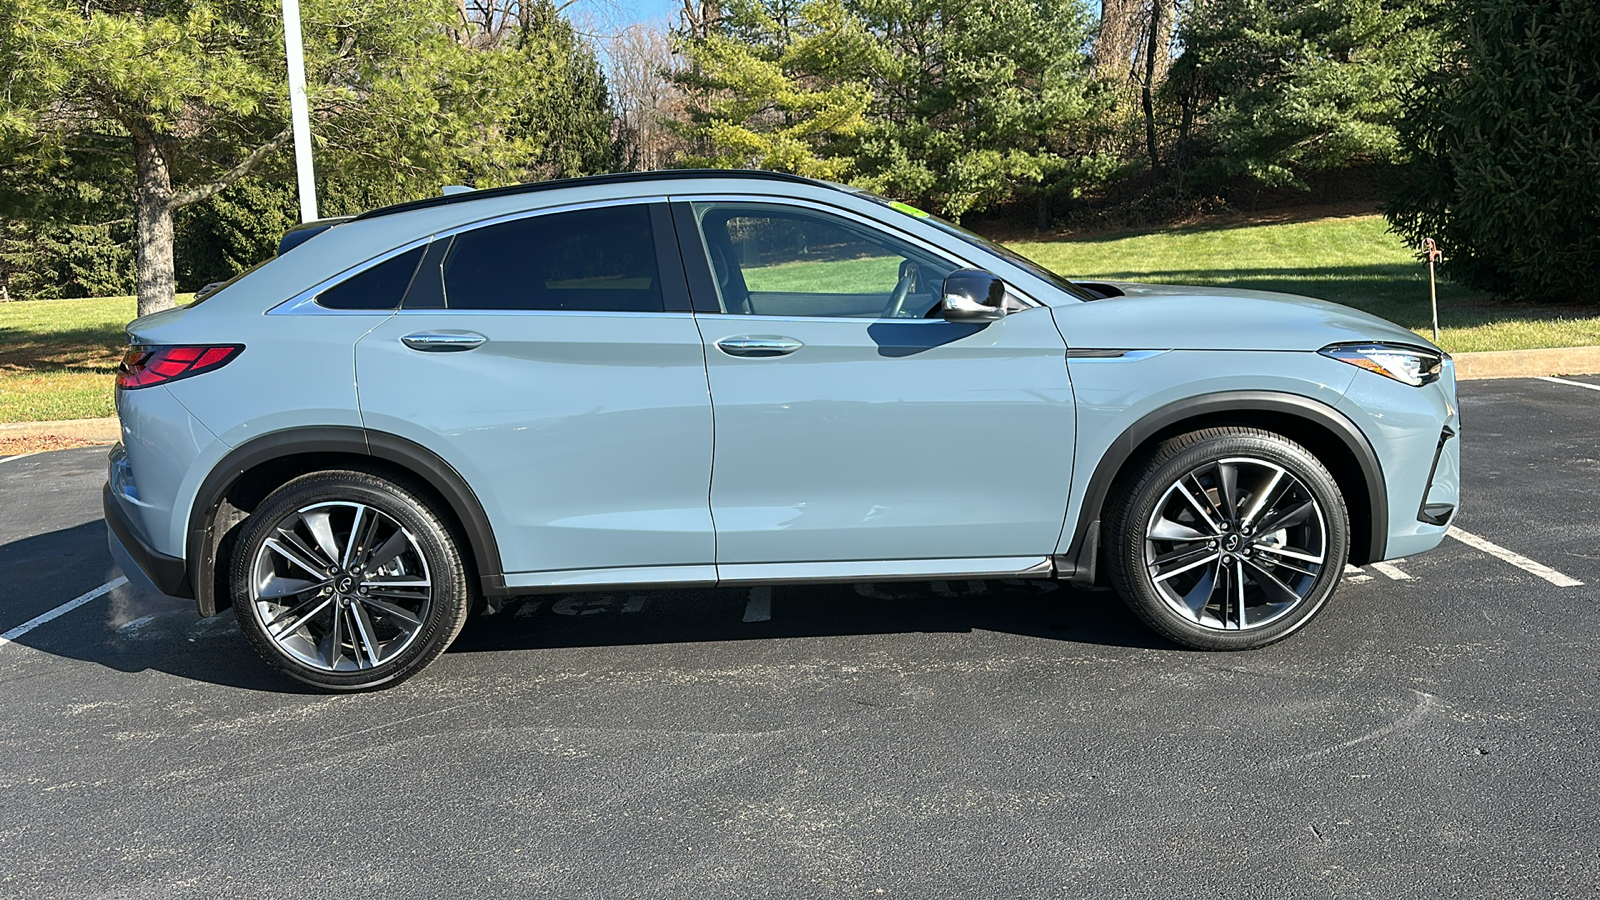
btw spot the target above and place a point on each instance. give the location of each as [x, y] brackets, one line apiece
[305, 302]
[745, 317]
[598, 313]
[844, 213]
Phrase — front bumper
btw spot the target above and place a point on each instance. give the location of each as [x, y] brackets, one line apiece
[1442, 492]
[144, 567]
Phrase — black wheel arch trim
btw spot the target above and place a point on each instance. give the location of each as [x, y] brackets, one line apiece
[1085, 539]
[413, 457]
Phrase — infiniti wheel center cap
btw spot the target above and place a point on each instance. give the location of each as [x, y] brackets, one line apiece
[345, 584]
[1232, 543]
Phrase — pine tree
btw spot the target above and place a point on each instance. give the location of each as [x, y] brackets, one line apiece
[182, 99]
[1281, 87]
[980, 104]
[1501, 151]
[771, 86]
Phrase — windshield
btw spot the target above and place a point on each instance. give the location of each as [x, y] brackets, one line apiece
[1000, 250]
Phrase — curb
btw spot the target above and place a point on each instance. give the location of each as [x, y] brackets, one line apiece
[1527, 363]
[95, 430]
[1469, 367]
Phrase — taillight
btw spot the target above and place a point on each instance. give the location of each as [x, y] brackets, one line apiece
[147, 366]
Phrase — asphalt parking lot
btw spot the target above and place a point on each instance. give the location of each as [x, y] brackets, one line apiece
[1435, 732]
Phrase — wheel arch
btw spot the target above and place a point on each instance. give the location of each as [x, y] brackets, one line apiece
[254, 469]
[1321, 429]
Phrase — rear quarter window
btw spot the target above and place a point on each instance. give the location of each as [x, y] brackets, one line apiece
[379, 287]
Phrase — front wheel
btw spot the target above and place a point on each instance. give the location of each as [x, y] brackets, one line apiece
[1228, 538]
[347, 581]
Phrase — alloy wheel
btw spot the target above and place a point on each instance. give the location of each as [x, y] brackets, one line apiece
[340, 586]
[1236, 544]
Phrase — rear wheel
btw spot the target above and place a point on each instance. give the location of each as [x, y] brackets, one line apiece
[1228, 538]
[348, 581]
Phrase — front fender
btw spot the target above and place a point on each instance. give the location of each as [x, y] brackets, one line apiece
[1124, 407]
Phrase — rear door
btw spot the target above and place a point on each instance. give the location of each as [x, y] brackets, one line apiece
[551, 358]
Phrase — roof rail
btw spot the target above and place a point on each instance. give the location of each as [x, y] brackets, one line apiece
[613, 178]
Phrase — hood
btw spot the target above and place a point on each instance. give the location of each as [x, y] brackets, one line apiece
[1170, 317]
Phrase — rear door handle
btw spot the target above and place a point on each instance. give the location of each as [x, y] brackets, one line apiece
[443, 341]
[758, 345]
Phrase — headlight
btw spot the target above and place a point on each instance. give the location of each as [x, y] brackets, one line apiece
[1410, 365]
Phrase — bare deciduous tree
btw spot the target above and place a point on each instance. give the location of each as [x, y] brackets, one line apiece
[1133, 50]
[1134, 43]
[700, 18]
[640, 65]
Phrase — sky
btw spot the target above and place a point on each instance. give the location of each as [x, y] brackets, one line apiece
[614, 15]
[600, 19]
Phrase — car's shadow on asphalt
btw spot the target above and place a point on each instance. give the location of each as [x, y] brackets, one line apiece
[133, 631]
[1029, 608]
[126, 629]
[137, 633]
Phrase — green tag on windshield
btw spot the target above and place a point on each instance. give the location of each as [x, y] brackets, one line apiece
[908, 209]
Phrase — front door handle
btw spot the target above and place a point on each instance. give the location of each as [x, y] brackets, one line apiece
[758, 345]
[443, 341]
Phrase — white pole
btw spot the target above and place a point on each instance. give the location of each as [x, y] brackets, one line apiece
[299, 114]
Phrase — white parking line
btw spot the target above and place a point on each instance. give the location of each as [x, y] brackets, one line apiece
[12, 635]
[1516, 559]
[1583, 384]
[759, 609]
[6, 459]
[1354, 575]
[1390, 570]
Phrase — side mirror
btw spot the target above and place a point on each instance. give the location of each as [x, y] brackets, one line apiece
[973, 295]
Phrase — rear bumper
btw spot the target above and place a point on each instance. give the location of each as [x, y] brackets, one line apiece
[143, 566]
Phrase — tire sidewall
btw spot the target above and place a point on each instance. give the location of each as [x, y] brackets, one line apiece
[1128, 565]
[447, 606]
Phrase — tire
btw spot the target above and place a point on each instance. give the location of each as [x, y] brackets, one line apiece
[369, 616]
[1203, 563]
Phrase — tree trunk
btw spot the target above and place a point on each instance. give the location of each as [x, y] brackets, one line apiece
[1155, 51]
[153, 216]
[1163, 21]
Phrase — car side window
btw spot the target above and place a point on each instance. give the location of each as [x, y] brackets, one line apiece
[590, 260]
[771, 260]
[378, 287]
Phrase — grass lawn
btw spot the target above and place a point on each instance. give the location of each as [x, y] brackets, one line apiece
[867, 275]
[1351, 260]
[57, 357]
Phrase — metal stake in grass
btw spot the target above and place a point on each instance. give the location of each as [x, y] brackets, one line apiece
[1432, 251]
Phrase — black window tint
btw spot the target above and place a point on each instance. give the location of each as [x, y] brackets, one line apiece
[379, 287]
[592, 260]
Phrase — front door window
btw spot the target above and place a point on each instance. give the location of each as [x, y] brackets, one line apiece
[770, 260]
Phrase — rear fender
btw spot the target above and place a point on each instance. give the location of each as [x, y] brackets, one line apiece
[205, 535]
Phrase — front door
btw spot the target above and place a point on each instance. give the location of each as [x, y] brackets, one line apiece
[850, 427]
